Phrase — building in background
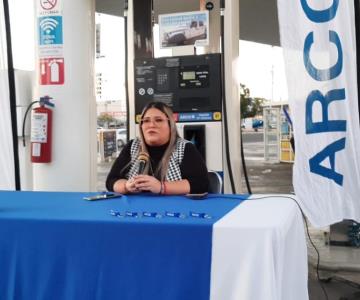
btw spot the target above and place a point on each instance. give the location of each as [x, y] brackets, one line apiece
[109, 67]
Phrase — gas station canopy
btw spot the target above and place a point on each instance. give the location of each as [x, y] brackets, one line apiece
[258, 18]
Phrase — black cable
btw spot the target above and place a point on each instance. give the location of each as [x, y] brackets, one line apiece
[223, 94]
[23, 124]
[308, 234]
[243, 162]
[126, 71]
[12, 95]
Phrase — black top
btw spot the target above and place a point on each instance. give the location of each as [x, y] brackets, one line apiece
[192, 167]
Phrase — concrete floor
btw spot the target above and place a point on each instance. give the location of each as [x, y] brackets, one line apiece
[339, 266]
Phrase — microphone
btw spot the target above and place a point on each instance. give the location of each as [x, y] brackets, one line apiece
[143, 158]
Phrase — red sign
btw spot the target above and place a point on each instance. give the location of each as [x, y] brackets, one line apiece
[51, 71]
[48, 4]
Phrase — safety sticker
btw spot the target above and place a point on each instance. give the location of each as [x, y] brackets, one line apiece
[39, 128]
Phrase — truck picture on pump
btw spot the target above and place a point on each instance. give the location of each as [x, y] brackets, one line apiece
[185, 35]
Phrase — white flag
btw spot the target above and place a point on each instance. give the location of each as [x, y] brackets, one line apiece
[318, 39]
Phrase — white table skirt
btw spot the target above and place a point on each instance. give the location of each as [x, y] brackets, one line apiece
[259, 252]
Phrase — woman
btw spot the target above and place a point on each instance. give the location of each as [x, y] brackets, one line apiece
[174, 165]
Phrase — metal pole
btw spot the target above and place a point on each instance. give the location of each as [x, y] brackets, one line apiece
[12, 94]
[226, 132]
[126, 71]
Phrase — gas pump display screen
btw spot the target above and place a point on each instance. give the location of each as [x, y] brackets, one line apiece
[186, 83]
[188, 75]
[194, 77]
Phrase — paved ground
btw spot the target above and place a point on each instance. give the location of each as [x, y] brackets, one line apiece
[103, 169]
[266, 177]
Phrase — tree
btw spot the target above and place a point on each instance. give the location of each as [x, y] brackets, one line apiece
[249, 107]
[105, 119]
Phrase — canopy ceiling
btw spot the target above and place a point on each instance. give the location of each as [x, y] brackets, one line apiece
[258, 18]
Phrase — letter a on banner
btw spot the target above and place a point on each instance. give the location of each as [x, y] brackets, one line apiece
[318, 39]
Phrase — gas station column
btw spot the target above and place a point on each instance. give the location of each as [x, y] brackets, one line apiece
[65, 54]
[231, 54]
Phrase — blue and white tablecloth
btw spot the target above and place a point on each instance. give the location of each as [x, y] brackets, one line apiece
[59, 246]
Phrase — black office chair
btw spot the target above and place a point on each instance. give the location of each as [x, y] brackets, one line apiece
[215, 183]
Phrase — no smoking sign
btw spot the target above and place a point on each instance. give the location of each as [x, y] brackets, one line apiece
[48, 4]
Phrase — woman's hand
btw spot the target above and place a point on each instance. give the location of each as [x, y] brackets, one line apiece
[147, 183]
[130, 186]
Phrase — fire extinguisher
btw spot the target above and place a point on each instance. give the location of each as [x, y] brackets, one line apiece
[41, 130]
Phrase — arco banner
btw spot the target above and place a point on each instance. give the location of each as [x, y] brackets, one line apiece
[318, 39]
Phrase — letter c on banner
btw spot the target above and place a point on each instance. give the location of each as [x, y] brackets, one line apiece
[320, 16]
[325, 74]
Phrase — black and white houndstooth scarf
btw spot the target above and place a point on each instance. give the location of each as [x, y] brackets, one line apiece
[176, 157]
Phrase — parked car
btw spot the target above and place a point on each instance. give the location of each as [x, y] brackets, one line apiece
[252, 123]
[257, 124]
[121, 135]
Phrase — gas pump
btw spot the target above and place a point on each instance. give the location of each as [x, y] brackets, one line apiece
[190, 85]
[206, 106]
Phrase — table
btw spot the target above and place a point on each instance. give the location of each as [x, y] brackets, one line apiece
[259, 251]
[59, 246]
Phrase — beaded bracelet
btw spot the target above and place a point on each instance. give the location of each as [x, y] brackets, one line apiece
[161, 187]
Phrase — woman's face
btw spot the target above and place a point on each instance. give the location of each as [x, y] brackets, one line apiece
[155, 127]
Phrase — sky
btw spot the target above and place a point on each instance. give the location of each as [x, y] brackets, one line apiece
[261, 67]
[22, 33]
[262, 70]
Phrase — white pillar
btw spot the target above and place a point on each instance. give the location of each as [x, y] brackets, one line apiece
[73, 166]
[231, 24]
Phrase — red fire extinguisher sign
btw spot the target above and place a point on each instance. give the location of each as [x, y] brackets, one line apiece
[51, 71]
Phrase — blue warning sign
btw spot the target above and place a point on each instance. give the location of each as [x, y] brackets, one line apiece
[50, 30]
